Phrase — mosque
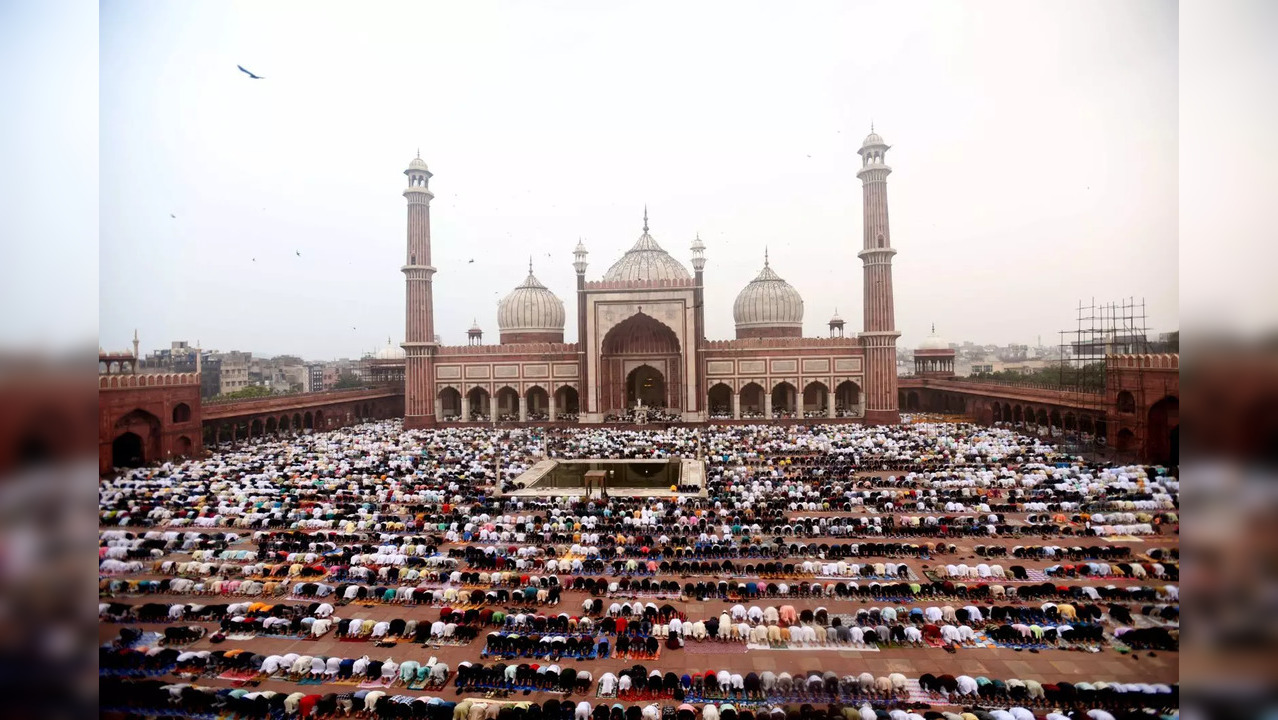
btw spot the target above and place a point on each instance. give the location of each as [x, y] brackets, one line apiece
[642, 341]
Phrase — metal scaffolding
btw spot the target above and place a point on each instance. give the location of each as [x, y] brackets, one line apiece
[1114, 328]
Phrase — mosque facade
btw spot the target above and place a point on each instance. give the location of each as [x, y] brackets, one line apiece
[642, 350]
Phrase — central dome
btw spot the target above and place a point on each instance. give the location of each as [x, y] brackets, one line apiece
[768, 307]
[646, 261]
[531, 313]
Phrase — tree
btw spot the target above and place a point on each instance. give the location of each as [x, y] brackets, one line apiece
[348, 380]
[246, 393]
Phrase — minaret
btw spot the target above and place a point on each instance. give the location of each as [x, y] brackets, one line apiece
[419, 331]
[699, 315]
[136, 357]
[879, 337]
[579, 265]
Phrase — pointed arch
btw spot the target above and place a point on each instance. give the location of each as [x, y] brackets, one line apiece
[450, 402]
[507, 403]
[480, 402]
[752, 399]
[538, 403]
[567, 402]
[847, 398]
[785, 399]
[816, 398]
[647, 385]
[719, 400]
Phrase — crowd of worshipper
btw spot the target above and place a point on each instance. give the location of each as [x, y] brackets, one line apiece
[290, 537]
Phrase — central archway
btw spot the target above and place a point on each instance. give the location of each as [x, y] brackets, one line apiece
[637, 342]
[645, 384]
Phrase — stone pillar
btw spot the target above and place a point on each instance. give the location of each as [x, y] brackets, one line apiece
[492, 407]
[465, 408]
[829, 405]
[736, 406]
[550, 406]
[767, 405]
[523, 409]
[439, 407]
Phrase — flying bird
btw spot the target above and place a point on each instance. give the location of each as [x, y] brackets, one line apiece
[246, 72]
[254, 259]
[470, 261]
[299, 253]
[173, 216]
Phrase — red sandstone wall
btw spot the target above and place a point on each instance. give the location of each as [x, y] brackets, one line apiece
[159, 401]
[511, 338]
[769, 332]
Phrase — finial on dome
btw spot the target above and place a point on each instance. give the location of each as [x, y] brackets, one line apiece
[419, 153]
[933, 328]
[765, 256]
[645, 217]
[530, 265]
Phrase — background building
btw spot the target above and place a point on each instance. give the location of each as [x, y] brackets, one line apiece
[234, 371]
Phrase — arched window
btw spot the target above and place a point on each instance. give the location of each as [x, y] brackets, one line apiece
[1126, 402]
[181, 413]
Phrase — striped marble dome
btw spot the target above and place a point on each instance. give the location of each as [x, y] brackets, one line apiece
[531, 307]
[768, 301]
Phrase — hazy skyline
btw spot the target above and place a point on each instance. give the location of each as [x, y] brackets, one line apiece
[1034, 154]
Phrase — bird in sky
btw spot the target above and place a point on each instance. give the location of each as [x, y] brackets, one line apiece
[299, 253]
[173, 216]
[246, 72]
[471, 261]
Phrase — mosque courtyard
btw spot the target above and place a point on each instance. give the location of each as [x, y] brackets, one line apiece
[922, 570]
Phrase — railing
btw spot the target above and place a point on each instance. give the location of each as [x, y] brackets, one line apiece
[222, 400]
[1054, 387]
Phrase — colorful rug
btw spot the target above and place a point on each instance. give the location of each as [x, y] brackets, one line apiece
[816, 648]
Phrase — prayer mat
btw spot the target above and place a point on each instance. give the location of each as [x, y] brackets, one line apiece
[919, 695]
[815, 648]
[379, 683]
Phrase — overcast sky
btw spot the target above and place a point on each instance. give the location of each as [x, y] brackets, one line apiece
[1034, 156]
